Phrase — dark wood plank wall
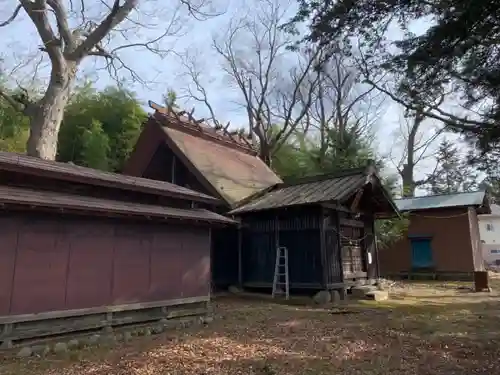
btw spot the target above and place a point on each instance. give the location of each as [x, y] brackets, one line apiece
[56, 262]
[164, 166]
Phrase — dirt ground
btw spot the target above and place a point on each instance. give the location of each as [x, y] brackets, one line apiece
[426, 328]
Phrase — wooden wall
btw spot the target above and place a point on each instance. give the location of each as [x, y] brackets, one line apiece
[60, 262]
[450, 242]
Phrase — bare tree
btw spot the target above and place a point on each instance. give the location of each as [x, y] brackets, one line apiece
[273, 82]
[97, 27]
[416, 146]
[341, 104]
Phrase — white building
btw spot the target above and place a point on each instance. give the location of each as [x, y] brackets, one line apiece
[489, 229]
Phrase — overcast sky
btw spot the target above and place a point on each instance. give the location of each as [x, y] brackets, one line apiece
[19, 43]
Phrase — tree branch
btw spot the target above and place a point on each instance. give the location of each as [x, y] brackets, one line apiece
[14, 104]
[116, 15]
[12, 17]
[62, 23]
[37, 11]
[446, 118]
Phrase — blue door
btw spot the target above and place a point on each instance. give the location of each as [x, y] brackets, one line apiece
[421, 253]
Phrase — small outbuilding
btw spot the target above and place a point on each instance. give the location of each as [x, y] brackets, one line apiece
[442, 240]
[325, 222]
[84, 249]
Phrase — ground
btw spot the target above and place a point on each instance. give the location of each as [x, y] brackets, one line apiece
[425, 329]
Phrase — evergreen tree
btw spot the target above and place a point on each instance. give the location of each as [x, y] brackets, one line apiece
[170, 99]
[458, 52]
[453, 173]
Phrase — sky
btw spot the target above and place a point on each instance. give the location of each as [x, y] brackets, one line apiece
[19, 43]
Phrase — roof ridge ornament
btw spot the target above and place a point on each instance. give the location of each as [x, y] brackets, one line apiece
[219, 132]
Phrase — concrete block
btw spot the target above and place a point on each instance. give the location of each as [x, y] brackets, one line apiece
[25, 352]
[94, 339]
[60, 347]
[322, 297]
[73, 344]
[377, 295]
[234, 289]
[40, 350]
[360, 291]
[336, 297]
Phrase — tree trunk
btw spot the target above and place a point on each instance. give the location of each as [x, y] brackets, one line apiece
[407, 173]
[265, 154]
[408, 181]
[47, 114]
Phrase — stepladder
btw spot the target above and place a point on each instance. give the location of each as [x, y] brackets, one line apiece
[281, 282]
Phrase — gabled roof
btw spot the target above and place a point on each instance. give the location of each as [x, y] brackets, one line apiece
[224, 162]
[69, 172]
[476, 198]
[317, 189]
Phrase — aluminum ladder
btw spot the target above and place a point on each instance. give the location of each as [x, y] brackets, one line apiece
[280, 286]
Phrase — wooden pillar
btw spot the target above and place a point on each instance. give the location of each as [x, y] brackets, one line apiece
[276, 232]
[240, 255]
[172, 170]
[211, 285]
[475, 240]
[324, 258]
[375, 247]
[339, 244]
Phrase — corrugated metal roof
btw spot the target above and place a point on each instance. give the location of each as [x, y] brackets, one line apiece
[441, 201]
[48, 199]
[323, 189]
[65, 171]
[234, 174]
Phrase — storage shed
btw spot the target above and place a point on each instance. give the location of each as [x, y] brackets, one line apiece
[442, 240]
[325, 222]
[84, 249]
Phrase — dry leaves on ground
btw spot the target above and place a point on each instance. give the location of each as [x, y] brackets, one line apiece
[456, 336]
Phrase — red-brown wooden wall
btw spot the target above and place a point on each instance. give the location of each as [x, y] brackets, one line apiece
[52, 263]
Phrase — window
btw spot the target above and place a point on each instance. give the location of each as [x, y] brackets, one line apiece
[489, 227]
[495, 251]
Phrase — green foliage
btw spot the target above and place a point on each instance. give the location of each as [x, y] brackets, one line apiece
[95, 147]
[457, 53]
[14, 128]
[390, 230]
[453, 173]
[111, 118]
[170, 99]
[303, 156]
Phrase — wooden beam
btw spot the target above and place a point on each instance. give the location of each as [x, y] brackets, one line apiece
[357, 199]
[352, 223]
[335, 207]
[101, 309]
